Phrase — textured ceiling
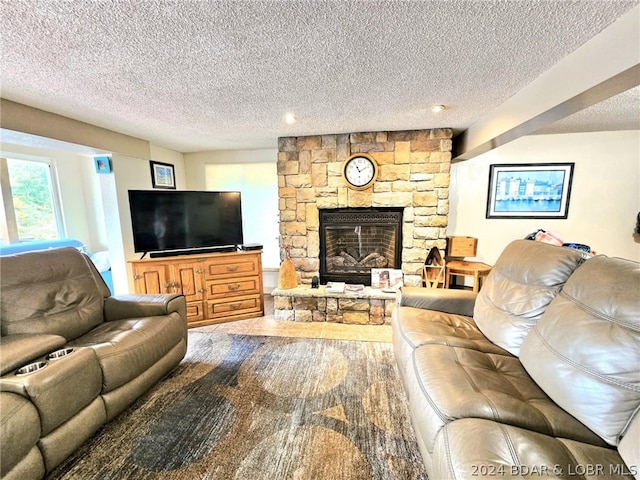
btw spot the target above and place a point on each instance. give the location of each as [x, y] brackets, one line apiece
[198, 75]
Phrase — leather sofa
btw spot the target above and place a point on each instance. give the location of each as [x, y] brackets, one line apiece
[72, 356]
[536, 376]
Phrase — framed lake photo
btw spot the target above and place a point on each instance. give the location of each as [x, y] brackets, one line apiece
[536, 190]
[162, 175]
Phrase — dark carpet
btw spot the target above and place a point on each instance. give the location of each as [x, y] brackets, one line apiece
[253, 407]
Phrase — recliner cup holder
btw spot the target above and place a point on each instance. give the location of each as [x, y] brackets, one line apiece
[31, 368]
[60, 353]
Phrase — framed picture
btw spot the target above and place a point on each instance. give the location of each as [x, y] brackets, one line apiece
[386, 278]
[162, 175]
[539, 190]
[103, 164]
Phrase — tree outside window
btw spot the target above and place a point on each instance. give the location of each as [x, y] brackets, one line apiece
[30, 209]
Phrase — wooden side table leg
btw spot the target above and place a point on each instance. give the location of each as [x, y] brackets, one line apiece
[476, 281]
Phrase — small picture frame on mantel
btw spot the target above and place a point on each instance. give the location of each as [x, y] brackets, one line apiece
[162, 175]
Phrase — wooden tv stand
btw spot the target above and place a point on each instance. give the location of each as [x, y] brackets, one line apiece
[219, 287]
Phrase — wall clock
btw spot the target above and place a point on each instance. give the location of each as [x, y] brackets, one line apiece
[360, 171]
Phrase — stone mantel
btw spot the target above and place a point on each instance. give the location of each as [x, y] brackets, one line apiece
[413, 173]
[306, 304]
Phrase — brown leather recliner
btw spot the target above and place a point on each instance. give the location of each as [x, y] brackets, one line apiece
[72, 357]
[536, 376]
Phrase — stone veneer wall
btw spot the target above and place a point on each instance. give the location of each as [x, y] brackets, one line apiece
[413, 172]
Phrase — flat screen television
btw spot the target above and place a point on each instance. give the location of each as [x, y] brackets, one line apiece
[182, 220]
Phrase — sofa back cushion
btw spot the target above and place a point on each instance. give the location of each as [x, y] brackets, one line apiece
[54, 291]
[585, 351]
[525, 278]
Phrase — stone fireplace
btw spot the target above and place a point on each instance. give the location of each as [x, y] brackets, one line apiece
[413, 177]
[355, 240]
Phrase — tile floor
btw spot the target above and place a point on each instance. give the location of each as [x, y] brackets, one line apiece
[267, 325]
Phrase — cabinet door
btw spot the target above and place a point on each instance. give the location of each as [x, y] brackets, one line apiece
[189, 280]
[151, 278]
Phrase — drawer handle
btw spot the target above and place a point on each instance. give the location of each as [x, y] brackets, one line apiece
[235, 306]
[232, 268]
[233, 287]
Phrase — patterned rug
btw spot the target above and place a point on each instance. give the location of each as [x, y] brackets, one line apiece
[252, 407]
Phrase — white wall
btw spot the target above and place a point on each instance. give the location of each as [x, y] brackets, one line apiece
[605, 195]
[195, 162]
[254, 174]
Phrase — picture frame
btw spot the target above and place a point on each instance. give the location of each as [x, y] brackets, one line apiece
[529, 190]
[103, 164]
[388, 279]
[162, 175]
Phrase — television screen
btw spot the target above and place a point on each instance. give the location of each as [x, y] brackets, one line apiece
[177, 220]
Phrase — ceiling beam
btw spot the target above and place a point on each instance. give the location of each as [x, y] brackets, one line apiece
[605, 66]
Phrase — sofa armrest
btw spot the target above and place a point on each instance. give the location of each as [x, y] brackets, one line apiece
[120, 307]
[19, 350]
[629, 447]
[460, 302]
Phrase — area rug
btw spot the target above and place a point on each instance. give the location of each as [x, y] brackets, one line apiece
[254, 407]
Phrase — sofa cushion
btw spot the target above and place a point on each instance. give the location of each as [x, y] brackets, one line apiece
[585, 351]
[127, 348]
[420, 327]
[66, 293]
[450, 383]
[413, 327]
[511, 452]
[524, 280]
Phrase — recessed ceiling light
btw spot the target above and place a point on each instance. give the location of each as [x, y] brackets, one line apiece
[290, 118]
[437, 108]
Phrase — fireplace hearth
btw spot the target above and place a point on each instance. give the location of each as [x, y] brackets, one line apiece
[355, 240]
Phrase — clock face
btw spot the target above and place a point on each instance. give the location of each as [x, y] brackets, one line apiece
[360, 171]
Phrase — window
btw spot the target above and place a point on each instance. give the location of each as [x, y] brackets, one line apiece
[30, 204]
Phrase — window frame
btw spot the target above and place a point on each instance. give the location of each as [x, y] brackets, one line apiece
[54, 194]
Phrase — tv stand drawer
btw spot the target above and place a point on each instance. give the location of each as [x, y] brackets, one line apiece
[234, 266]
[234, 306]
[236, 286]
[195, 311]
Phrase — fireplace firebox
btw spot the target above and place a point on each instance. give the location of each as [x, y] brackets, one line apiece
[355, 240]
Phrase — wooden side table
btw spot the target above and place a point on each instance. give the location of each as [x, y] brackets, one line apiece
[477, 270]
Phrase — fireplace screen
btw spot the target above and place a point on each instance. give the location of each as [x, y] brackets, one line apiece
[353, 241]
